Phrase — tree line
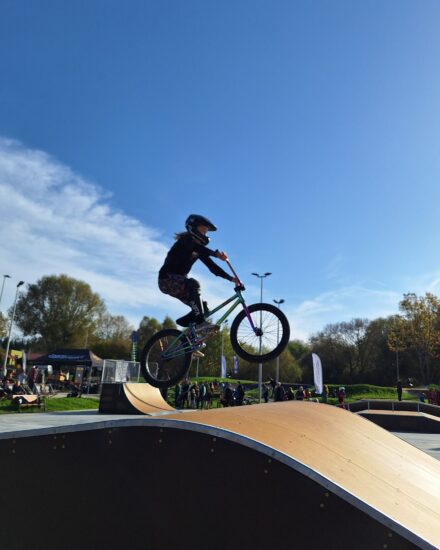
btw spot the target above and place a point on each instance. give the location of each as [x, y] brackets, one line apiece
[61, 312]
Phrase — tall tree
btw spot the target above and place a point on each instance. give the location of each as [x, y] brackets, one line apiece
[113, 327]
[60, 311]
[418, 329]
[147, 327]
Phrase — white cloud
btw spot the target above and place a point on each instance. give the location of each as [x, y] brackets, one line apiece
[54, 221]
[342, 304]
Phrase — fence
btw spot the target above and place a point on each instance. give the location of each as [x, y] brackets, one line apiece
[116, 370]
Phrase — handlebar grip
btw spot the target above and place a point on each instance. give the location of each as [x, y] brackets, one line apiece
[240, 287]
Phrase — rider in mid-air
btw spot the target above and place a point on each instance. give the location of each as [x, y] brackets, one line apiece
[190, 246]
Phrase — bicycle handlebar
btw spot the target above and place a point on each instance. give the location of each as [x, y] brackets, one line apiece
[240, 286]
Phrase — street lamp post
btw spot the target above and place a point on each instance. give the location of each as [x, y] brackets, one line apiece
[3, 286]
[278, 303]
[10, 328]
[260, 365]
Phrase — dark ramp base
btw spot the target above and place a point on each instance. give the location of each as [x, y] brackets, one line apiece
[401, 422]
[132, 398]
[164, 488]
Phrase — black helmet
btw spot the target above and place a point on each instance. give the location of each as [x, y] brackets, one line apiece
[191, 224]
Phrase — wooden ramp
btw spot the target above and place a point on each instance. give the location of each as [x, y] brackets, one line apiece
[371, 469]
[132, 398]
[280, 475]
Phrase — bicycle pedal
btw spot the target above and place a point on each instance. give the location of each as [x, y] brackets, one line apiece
[198, 354]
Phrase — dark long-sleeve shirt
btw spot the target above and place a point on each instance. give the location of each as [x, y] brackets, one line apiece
[182, 255]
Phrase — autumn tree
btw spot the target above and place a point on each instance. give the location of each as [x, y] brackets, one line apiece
[418, 329]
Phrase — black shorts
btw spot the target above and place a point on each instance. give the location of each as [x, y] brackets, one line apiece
[178, 286]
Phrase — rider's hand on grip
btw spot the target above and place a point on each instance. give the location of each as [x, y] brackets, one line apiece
[240, 286]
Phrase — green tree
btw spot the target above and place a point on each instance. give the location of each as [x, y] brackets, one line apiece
[110, 327]
[112, 338]
[60, 311]
[168, 323]
[147, 327]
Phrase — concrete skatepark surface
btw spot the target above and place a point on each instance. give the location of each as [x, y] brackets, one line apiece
[292, 474]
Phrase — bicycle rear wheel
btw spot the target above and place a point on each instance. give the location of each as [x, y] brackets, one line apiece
[166, 358]
[272, 329]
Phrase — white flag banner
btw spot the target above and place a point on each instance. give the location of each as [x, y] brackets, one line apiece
[317, 373]
[223, 369]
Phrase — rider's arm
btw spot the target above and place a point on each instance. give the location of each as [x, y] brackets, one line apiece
[216, 269]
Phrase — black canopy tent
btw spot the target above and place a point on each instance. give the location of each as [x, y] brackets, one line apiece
[86, 366]
[65, 358]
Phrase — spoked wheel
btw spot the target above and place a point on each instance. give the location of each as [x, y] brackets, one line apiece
[272, 327]
[166, 358]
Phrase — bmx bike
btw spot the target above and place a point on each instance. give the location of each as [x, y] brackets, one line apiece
[259, 332]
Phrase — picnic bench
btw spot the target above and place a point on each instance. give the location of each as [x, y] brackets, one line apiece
[26, 401]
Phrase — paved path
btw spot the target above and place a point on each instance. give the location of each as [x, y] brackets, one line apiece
[429, 443]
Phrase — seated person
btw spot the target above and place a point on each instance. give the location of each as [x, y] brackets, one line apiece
[17, 388]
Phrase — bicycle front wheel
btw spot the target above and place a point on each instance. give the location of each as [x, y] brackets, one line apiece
[166, 358]
[267, 341]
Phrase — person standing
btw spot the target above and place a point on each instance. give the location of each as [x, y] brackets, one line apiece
[399, 389]
[239, 394]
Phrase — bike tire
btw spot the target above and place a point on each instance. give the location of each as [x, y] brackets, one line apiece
[276, 333]
[159, 370]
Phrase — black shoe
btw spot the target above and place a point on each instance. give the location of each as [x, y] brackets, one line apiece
[187, 319]
[190, 317]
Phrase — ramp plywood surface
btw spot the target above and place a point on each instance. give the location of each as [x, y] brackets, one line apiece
[145, 398]
[350, 455]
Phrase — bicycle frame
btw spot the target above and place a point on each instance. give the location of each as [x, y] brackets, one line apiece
[196, 340]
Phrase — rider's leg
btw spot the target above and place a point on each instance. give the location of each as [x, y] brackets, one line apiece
[195, 301]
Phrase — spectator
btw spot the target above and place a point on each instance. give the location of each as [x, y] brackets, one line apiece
[202, 395]
[185, 394]
[300, 393]
[228, 399]
[399, 389]
[7, 384]
[177, 395]
[74, 390]
[307, 394]
[280, 394]
[272, 384]
[265, 393]
[239, 394]
[17, 388]
[192, 396]
[422, 398]
[209, 395]
[290, 394]
[32, 378]
[341, 397]
[325, 393]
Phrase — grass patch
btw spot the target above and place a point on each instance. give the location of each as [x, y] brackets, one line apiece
[53, 405]
[71, 404]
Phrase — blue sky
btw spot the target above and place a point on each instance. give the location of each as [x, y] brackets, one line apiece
[308, 131]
